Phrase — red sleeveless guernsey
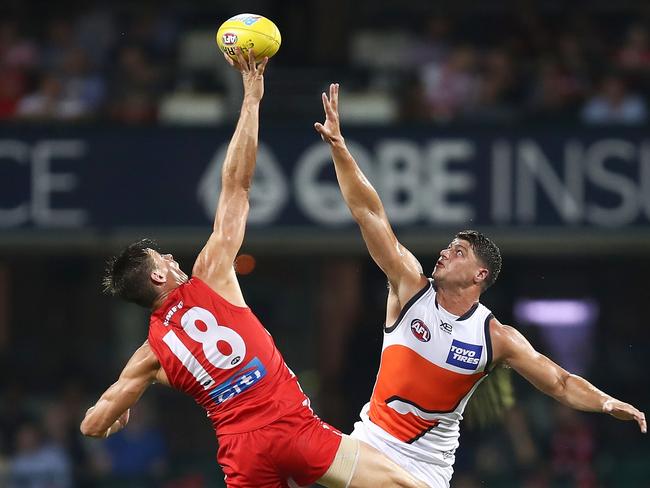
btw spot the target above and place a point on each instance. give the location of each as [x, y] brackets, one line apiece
[223, 357]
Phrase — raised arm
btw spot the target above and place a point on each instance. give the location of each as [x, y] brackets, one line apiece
[111, 412]
[403, 270]
[214, 265]
[512, 348]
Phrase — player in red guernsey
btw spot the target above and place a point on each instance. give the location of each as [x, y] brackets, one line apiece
[205, 341]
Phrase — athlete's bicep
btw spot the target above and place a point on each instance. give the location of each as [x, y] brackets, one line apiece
[214, 264]
[218, 272]
[403, 270]
[227, 235]
[512, 348]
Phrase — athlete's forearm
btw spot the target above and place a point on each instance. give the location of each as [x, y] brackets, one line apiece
[101, 421]
[358, 193]
[91, 426]
[239, 164]
[578, 393]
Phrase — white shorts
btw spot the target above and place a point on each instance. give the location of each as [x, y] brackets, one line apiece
[434, 475]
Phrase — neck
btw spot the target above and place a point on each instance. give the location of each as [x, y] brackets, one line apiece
[159, 301]
[178, 281]
[456, 301]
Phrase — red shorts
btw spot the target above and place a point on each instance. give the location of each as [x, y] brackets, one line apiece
[298, 447]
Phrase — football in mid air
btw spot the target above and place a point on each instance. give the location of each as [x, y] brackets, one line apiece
[249, 31]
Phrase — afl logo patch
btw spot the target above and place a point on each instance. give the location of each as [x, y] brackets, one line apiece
[420, 330]
[229, 39]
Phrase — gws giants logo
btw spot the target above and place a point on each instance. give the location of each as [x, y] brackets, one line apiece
[463, 355]
[229, 39]
[420, 330]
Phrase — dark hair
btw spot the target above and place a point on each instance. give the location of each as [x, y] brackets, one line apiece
[486, 251]
[127, 274]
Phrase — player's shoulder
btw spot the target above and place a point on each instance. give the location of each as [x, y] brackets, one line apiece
[498, 330]
[416, 288]
[505, 338]
[194, 285]
[419, 291]
[144, 356]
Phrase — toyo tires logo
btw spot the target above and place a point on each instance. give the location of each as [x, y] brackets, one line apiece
[464, 355]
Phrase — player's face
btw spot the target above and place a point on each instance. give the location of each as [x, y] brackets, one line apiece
[457, 265]
[166, 265]
[163, 261]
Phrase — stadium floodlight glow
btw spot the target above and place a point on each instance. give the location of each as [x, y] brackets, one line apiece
[556, 312]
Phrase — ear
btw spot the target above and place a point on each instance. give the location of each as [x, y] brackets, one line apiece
[159, 277]
[481, 275]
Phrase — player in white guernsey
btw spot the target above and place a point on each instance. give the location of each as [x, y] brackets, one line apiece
[439, 341]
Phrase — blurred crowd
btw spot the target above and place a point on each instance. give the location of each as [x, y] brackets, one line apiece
[42, 448]
[101, 62]
[40, 444]
[533, 68]
[77, 67]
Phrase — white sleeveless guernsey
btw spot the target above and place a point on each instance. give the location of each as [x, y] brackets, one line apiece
[431, 363]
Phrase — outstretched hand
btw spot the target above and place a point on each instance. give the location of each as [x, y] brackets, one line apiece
[625, 411]
[330, 131]
[252, 73]
[119, 424]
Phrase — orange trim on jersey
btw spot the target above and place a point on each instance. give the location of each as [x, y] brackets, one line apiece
[406, 376]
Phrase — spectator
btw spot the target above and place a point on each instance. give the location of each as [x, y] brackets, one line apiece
[573, 447]
[49, 102]
[38, 463]
[80, 86]
[12, 87]
[572, 53]
[433, 45]
[15, 50]
[139, 451]
[635, 53]
[97, 32]
[497, 95]
[555, 92]
[61, 39]
[613, 104]
[13, 414]
[135, 87]
[451, 87]
[61, 426]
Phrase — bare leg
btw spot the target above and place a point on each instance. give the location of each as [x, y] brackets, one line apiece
[358, 465]
[374, 469]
